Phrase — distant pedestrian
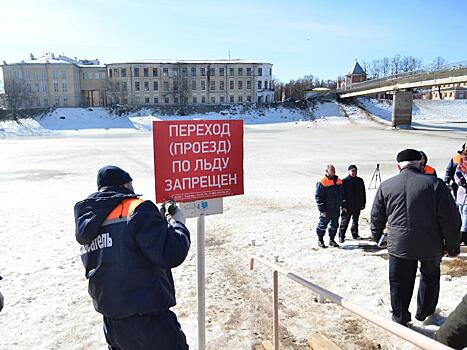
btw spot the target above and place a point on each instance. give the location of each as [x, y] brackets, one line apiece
[128, 250]
[451, 169]
[354, 201]
[422, 222]
[329, 195]
[427, 169]
[1, 298]
[460, 178]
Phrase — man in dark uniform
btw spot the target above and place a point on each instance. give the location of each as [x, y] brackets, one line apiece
[354, 201]
[329, 199]
[422, 223]
[451, 170]
[128, 250]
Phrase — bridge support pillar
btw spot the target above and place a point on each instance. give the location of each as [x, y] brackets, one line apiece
[402, 108]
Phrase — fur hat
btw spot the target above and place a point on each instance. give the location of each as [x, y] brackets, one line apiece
[111, 175]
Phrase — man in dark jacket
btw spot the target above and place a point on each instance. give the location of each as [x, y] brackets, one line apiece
[354, 201]
[422, 222]
[453, 332]
[329, 199]
[451, 170]
[128, 249]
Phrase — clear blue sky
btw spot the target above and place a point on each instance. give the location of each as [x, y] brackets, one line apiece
[316, 37]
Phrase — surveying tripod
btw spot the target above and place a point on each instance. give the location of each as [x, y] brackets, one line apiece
[375, 179]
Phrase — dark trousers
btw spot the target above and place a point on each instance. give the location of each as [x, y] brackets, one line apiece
[331, 219]
[401, 283]
[145, 332]
[345, 220]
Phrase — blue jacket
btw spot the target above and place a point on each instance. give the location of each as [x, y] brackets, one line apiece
[451, 168]
[128, 250]
[329, 194]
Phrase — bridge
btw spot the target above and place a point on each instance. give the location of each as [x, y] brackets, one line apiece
[402, 85]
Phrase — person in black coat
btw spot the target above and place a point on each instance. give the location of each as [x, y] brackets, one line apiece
[128, 249]
[354, 201]
[453, 332]
[422, 222]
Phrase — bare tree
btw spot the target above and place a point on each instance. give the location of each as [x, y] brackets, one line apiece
[395, 64]
[438, 63]
[117, 92]
[16, 95]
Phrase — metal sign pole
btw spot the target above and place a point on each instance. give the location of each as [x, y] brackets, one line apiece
[201, 285]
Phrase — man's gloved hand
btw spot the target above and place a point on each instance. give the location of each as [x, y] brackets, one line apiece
[172, 212]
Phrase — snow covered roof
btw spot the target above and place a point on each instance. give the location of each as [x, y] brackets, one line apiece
[148, 61]
[357, 69]
[50, 58]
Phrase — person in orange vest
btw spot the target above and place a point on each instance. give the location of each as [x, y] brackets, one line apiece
[451, 170]
[426, 169]
[329, 196]
[128, 249]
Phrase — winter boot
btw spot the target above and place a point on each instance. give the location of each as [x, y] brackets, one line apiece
[332, 243]
[341, 239]
[321, 243]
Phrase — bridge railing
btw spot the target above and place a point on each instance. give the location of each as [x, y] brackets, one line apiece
[400, 331]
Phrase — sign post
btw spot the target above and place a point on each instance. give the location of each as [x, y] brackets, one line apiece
[196, 163]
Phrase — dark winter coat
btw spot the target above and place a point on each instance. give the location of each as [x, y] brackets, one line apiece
[128, 257]
[329, 194]
[420, 215]
[453, 332]
[354, 194]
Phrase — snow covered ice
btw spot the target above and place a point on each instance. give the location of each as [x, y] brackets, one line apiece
[48, 165]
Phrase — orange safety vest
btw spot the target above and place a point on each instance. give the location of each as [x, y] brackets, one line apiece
[429, 170]
[328, 182]
[122, 211]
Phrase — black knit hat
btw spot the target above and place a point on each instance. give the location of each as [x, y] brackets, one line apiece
[352, 166]
[408, 155]
[111, 175]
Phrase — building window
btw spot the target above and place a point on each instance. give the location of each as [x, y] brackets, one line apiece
[156, 100]
[221, 72]
[265, 84]
[165, 72]
[231, 71]
[221, 85]
[36, 77]
[203, 71]
[175, 85]
[57, 102]
[260, 84]
[213, 99]
[63, 74]
[46, 102]
[248, 84]
[175, 99]
[240, 85]
[166, 100]
[116, 73]
[146, 100]
[184, 72]
[65, 101]
[166, 86]
[146, 86]
[136, 71]
[232, 99]
[36, 87]
[231, 85]
[55, 87]
[240, 71]
[54, 74]
[146, 72]
[44, 87]
[64, 87]
[212, 85]
[155, 86]
[270, 71]
[193, 85]
[212, 71]
[221, 99]
[44, 75]
[260, 71]
[137, 86]
[193, 71]
[203, 99]
[203, 84]
[240, 98]
[195, 100]
[155, 73]
[124, 87]
[248, 98]
[123, 72]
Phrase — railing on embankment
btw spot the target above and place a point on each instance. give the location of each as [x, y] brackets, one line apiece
[400, 331]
